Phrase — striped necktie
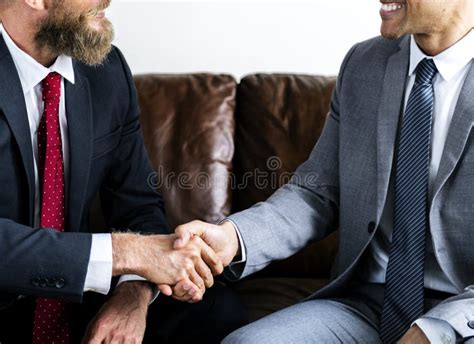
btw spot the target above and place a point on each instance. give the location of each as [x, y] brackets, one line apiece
[404, 284]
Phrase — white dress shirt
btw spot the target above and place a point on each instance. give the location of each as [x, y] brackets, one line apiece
[31, 73]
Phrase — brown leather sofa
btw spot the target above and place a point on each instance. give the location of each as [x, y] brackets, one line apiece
[219, 146]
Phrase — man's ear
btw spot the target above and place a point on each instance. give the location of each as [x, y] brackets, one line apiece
[36, 4]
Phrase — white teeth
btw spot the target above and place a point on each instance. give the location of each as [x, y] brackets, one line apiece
[391, 7]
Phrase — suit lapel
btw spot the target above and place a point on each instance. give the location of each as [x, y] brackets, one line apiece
[79, 118]
[390, 108]
[458, 132]
[13, 106]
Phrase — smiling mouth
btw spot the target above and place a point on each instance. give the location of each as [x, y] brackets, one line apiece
[390, 9]
[96, 14]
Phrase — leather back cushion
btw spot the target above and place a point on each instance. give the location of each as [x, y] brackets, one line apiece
[279, 119]
[188, 125]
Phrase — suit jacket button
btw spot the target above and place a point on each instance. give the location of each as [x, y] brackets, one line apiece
[371, 227]
[35, 281]
[51, 282]
[471, 324]
[43, 282]
[60, 283]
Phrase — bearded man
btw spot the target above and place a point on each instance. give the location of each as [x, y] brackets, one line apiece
[68, 130]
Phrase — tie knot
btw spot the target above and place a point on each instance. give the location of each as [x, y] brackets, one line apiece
[426, 71]
[51, 86]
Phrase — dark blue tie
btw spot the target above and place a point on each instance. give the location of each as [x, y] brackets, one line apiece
[404, 284]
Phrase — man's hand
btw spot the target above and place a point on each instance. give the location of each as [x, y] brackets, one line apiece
[155, 258]
[221, 238]
[414, 336]
[122, 319]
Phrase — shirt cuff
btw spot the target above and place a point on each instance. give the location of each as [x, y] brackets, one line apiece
[99, 270]
[437, 331]
[243, 251]
[131, 278]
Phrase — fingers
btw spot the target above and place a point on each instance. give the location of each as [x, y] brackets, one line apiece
[211, 258]
[181, 291]
[185, 232]
[197, 280]
[203, 267]
[204, 272]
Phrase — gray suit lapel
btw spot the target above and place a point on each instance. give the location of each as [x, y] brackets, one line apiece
[12, 104]
[79, 118]
[458, 132]
[391, 106]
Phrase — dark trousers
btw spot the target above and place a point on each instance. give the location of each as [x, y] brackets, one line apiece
[169, 321]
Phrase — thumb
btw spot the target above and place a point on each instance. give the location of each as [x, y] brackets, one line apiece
[185, 232]
[165, 289]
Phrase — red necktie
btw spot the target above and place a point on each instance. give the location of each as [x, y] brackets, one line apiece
[51, 321]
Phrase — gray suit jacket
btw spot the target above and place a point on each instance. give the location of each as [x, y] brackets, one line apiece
[344, 182]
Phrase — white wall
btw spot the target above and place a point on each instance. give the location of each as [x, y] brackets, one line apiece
[241, 37]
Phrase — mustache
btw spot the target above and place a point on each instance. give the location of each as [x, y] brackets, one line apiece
[102, 6]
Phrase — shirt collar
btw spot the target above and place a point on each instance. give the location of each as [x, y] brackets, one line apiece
[31, 72]
[450, 61]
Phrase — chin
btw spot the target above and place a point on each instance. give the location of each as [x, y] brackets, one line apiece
[391, 33]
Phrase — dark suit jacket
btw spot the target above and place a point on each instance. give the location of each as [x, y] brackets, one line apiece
[107, 156]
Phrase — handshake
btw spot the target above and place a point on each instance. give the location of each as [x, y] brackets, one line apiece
[183, 264]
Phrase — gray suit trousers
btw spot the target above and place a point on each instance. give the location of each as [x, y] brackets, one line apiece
[353, 317]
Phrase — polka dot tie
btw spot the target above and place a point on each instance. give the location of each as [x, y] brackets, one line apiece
[51, 324]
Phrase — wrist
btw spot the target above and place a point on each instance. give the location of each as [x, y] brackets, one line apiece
[231, 234]
[126, 254]
[142, 291]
